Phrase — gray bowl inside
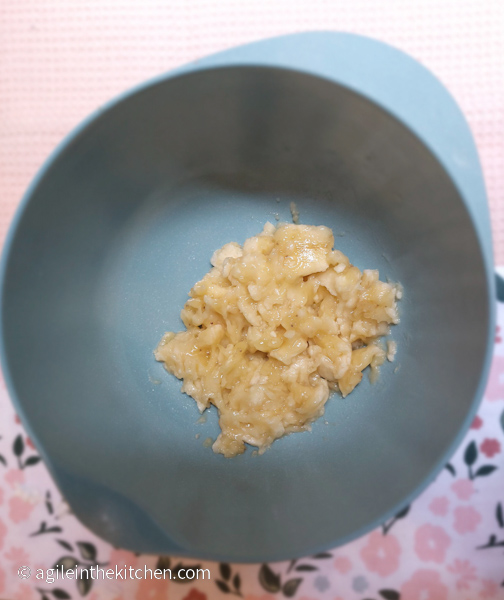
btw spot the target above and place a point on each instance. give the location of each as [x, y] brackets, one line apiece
[123, 222]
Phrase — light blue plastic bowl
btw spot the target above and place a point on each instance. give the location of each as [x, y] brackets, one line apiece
[121, 222]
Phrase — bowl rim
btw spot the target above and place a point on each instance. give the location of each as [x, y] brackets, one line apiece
[224, 60]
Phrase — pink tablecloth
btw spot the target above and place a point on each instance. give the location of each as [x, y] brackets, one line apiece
[60, 60]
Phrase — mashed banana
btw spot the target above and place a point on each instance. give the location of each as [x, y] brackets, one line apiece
[272, 328]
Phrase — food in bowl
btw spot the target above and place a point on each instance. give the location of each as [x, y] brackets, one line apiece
[274, 327]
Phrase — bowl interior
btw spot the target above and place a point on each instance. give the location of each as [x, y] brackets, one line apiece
[120, 226]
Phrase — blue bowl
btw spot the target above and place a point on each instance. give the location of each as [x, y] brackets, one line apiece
[121, 222]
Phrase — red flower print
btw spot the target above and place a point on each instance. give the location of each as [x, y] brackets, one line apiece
[122, 558]
[342, 564]
[25, 592]
[3, 533]
[30, 443]
[19, 509]
[19, 557]
[14, 477]
[490, 447]
[424, 584]
[489, 589]
[381, 554]
[439, 506]
[17, 419]
[463, 488]
[194, 594]
[431, 543]
[467, 519]
[498, 338]
[153, 589]
[477, 422]
[495, 386]
[465, 571]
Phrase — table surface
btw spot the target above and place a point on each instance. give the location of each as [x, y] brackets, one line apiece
[61, 60]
